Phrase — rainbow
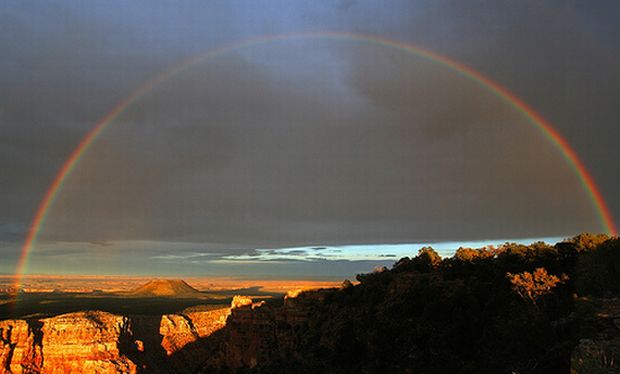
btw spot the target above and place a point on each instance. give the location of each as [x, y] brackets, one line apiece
[501, 92]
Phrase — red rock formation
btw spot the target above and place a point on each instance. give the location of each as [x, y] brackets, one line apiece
[85, 342]
[206, 323]
[71, 343]
[100, 342]
[20, 351]
[240, 301]
[178, 330]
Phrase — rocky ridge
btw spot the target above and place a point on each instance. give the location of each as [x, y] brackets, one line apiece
[246, 336]
[70, 343]
[101, 342]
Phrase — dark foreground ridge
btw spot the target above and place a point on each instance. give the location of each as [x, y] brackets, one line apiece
[513, 309]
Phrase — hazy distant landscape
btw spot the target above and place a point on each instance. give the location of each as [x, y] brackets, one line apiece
[45, 296]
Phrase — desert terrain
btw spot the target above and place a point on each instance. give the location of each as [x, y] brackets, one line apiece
[49, 295]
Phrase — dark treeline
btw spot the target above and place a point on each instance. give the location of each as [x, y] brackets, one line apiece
[509, 309]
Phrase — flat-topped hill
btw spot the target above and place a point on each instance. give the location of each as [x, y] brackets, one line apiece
[166, 288]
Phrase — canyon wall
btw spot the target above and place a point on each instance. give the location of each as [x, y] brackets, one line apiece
[281, 336]
[266, 335]
[20, 351]
[243, 335]
[70, 343]
[100, 342]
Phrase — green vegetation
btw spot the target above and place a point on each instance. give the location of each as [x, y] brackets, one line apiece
[511, 309]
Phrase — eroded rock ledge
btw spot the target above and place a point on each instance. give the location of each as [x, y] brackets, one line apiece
[87, 341]
[101, 342]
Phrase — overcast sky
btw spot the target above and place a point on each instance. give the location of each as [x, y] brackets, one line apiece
[302, 156]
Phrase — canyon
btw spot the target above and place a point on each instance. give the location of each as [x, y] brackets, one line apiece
[247, 335]
[101, 342]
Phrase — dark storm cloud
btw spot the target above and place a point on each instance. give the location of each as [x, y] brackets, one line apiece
[66, 64]
[303, 142]
[353, 144]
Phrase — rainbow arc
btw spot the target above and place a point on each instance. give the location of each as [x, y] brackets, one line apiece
[478, 78]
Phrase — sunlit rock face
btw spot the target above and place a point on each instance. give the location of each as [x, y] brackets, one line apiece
[85, 342]
[240, 301]
[20, 348]
[252, 333]
[178, 330]
[71, 343]
[100, 342]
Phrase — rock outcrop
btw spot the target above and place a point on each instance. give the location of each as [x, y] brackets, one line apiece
[601, 352]
[85, 342]
[259, 333]
[20, 347]
[70, 343]
[100, 342]
[178, 330]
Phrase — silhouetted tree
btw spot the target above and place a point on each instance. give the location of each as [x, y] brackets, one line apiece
[347, 284]
[426, 260]
[598, 270]
[461, 314]
[587, 242]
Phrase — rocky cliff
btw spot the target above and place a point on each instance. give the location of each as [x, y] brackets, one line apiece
[266, 335]
[70, 343]
[242, 336]
[301, 333]
[20, 347]
[100, 342]
[178, 330]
